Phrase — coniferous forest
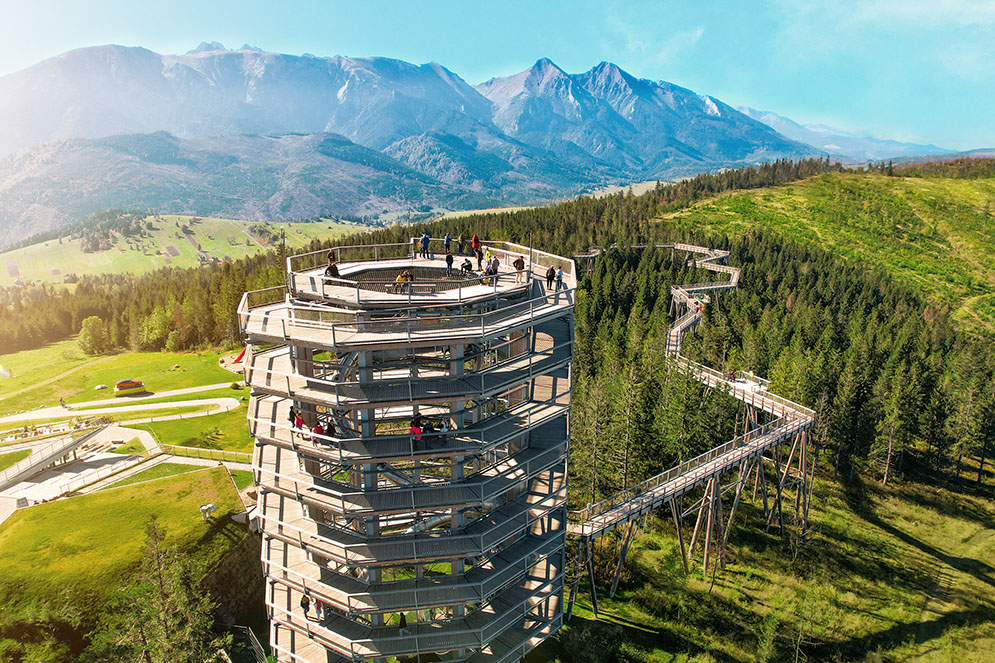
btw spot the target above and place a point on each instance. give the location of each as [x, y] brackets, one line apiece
[880, 364]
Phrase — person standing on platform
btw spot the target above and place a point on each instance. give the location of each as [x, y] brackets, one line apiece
[550, 275]
[460, 243]
[332, 271]
[402, 625]
[519, 266]
[306, 605]
[424, 246]
[448, 241]
[449, 263]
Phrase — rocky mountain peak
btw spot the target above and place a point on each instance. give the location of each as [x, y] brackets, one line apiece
[208, 47]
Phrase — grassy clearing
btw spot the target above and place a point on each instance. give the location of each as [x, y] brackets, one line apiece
[226, 430]
[896, 574]
[160, 471]
[30, 369]
[63, 561]
[937, 234]
[167, 245]
[68, 543]
[13, 458]
[242, 478]
[155, 369]
[132, 447]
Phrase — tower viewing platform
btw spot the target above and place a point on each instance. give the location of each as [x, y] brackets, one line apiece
[412, 428]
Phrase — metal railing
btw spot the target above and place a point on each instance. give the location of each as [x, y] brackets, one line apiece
[306, 275]
[694, 470]
[354, 550]
[374, 642]
[286, 320]
[421, 593]
[221, 455]
[345, 254]
[48, 453]
[91, 478]
[477, 489]
[472, 438]
[517, 370]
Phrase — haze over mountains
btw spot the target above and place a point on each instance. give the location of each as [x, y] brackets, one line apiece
[208, 132]
[838, 142]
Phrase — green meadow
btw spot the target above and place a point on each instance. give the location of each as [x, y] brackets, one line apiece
[167, 245]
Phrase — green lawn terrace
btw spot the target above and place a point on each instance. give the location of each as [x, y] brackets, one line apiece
[70, 556]
[60, 370]
[172, 241]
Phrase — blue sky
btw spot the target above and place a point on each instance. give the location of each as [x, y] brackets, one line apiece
[919, 70]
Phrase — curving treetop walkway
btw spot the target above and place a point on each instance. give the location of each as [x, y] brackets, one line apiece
[790, 418]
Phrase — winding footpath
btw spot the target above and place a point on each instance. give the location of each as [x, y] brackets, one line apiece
[789, 418]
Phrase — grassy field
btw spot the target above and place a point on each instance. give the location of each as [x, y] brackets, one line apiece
[13, 458]
[40, 377]
[132, 447]
[111, 415]
[166, 245]
[226, 430]
[888, 574]
[223, 392]
[938, 234]
[160, 471]
[62, 561]
[242, 478]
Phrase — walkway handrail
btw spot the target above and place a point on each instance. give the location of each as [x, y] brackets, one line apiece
[459, 438]
[390, 251]
[300, 315]
[533, 365]
[791, 417]
[53, 450]
[223, 455]
[683, 468]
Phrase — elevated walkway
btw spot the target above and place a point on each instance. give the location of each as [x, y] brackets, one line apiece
[341, 330]
[268, 422]
[791, 418]
[356, 641]
[45, 455]
[285, 519]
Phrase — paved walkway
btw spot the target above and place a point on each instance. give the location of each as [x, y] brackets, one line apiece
[226, 403]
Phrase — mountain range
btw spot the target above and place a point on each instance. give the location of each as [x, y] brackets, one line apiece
[264, 135]
[837, 142]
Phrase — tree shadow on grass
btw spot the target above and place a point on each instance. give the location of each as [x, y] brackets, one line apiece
[856, 497]
[219, 526]
[899, 634]
[826, 553]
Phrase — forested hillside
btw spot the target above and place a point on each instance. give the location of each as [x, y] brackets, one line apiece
[827, 308]
[931, 226]
[871, 349]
